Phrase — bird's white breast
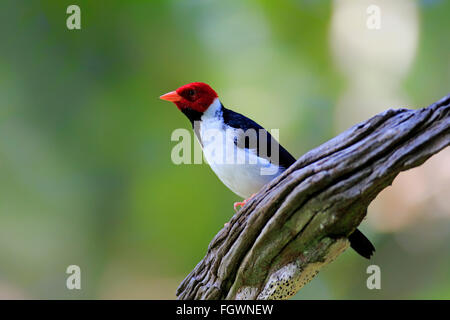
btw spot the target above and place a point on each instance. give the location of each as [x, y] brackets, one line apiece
[241, 170]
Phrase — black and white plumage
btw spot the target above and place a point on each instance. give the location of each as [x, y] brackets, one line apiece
[242, 154]
[231, 144]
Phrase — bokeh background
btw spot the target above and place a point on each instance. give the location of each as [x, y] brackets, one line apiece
[86, 176]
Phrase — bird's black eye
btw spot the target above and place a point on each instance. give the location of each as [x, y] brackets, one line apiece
[191, 92]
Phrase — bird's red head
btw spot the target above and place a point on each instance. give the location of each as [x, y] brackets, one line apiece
[197, 96]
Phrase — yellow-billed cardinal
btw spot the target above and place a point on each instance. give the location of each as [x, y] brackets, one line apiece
[236, 156]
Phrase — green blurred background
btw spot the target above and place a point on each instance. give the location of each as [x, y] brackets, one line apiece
[86, 176]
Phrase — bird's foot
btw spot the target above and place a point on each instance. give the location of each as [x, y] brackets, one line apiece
[236, 205]
[242, 203]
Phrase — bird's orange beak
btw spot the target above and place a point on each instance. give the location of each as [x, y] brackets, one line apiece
[171, 96]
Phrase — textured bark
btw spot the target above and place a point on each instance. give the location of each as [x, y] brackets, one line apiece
[300, 221]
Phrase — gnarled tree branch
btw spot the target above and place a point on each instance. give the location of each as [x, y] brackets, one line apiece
[300, 221]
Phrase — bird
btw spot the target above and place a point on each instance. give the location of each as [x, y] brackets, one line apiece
[243, 155]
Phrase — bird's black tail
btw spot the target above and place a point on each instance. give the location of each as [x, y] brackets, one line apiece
[361, 244]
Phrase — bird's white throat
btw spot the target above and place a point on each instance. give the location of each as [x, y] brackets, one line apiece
[213, 111]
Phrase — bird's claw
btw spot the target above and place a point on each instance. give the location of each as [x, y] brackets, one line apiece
[239, 204]
[242, 203]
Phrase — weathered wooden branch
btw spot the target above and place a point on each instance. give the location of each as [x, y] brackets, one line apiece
[300, 221]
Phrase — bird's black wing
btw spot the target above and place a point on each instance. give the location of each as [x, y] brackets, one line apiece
[239, 121]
